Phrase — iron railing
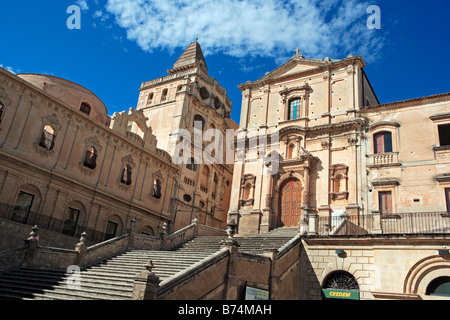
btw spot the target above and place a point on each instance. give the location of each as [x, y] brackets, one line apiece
[32, 218]
[399, 223]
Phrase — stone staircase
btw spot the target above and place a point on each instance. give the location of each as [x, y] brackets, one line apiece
[256, 244]
[112, 279]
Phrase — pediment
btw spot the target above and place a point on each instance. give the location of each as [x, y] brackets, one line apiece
[295, 66]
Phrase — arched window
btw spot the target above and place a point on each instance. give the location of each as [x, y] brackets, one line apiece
[85, 108]
[71, 222]
[47, 138]
[217, 103]
[150, 98]
[341, 280]
[439, 287]
[205, 178]
[164, 95]
[90, 159]
[179, 88]
[294, 109]
[156, 191]
[126, 175]
[382, 142]
[191, 165]
[199, 122]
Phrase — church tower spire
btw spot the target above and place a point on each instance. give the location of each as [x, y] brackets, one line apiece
[192, 57]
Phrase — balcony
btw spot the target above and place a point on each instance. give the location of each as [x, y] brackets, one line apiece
[383, 159]
[377, 223]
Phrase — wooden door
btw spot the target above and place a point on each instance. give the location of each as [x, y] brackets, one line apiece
[290, 203]
[385, 202]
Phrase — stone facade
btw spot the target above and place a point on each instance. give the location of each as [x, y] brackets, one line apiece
[174, 103]
[68, 167]
[338, 151]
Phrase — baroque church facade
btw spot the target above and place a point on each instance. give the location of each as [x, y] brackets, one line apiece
[353, 186]
[339, 152]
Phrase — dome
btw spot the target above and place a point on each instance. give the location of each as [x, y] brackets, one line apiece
[78, 97]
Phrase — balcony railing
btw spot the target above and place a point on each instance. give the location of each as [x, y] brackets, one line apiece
[383, 159]
[32, 218]
[400, 223]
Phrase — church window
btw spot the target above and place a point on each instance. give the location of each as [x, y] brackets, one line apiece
[205, 179]
[382, 142]
[126, 175]
[199, 122]
[70, 224]
[156, 191]
[294, 109]
[150, 98]
[22, 207]
[90, 159]
[217, 103]
[444, 134]
[191, 165]
[111, 230]
[47, 138]
[164, 95]
[85, 108]
[204, 94]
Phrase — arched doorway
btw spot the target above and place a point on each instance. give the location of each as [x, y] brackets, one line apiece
[290, 202]
[340, 285]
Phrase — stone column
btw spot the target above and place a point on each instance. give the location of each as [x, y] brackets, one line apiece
[146, 284]
[312, 223]
[376, 228]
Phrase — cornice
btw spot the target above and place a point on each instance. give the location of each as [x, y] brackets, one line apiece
[322, 66]
[406, 103]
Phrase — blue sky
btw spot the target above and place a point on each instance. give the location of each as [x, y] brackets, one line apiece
[123, 43]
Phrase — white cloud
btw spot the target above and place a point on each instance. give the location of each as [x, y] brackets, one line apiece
[10, 69]
[240, 28]
[83, 5]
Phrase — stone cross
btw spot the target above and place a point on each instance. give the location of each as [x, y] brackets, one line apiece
[297, 51]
